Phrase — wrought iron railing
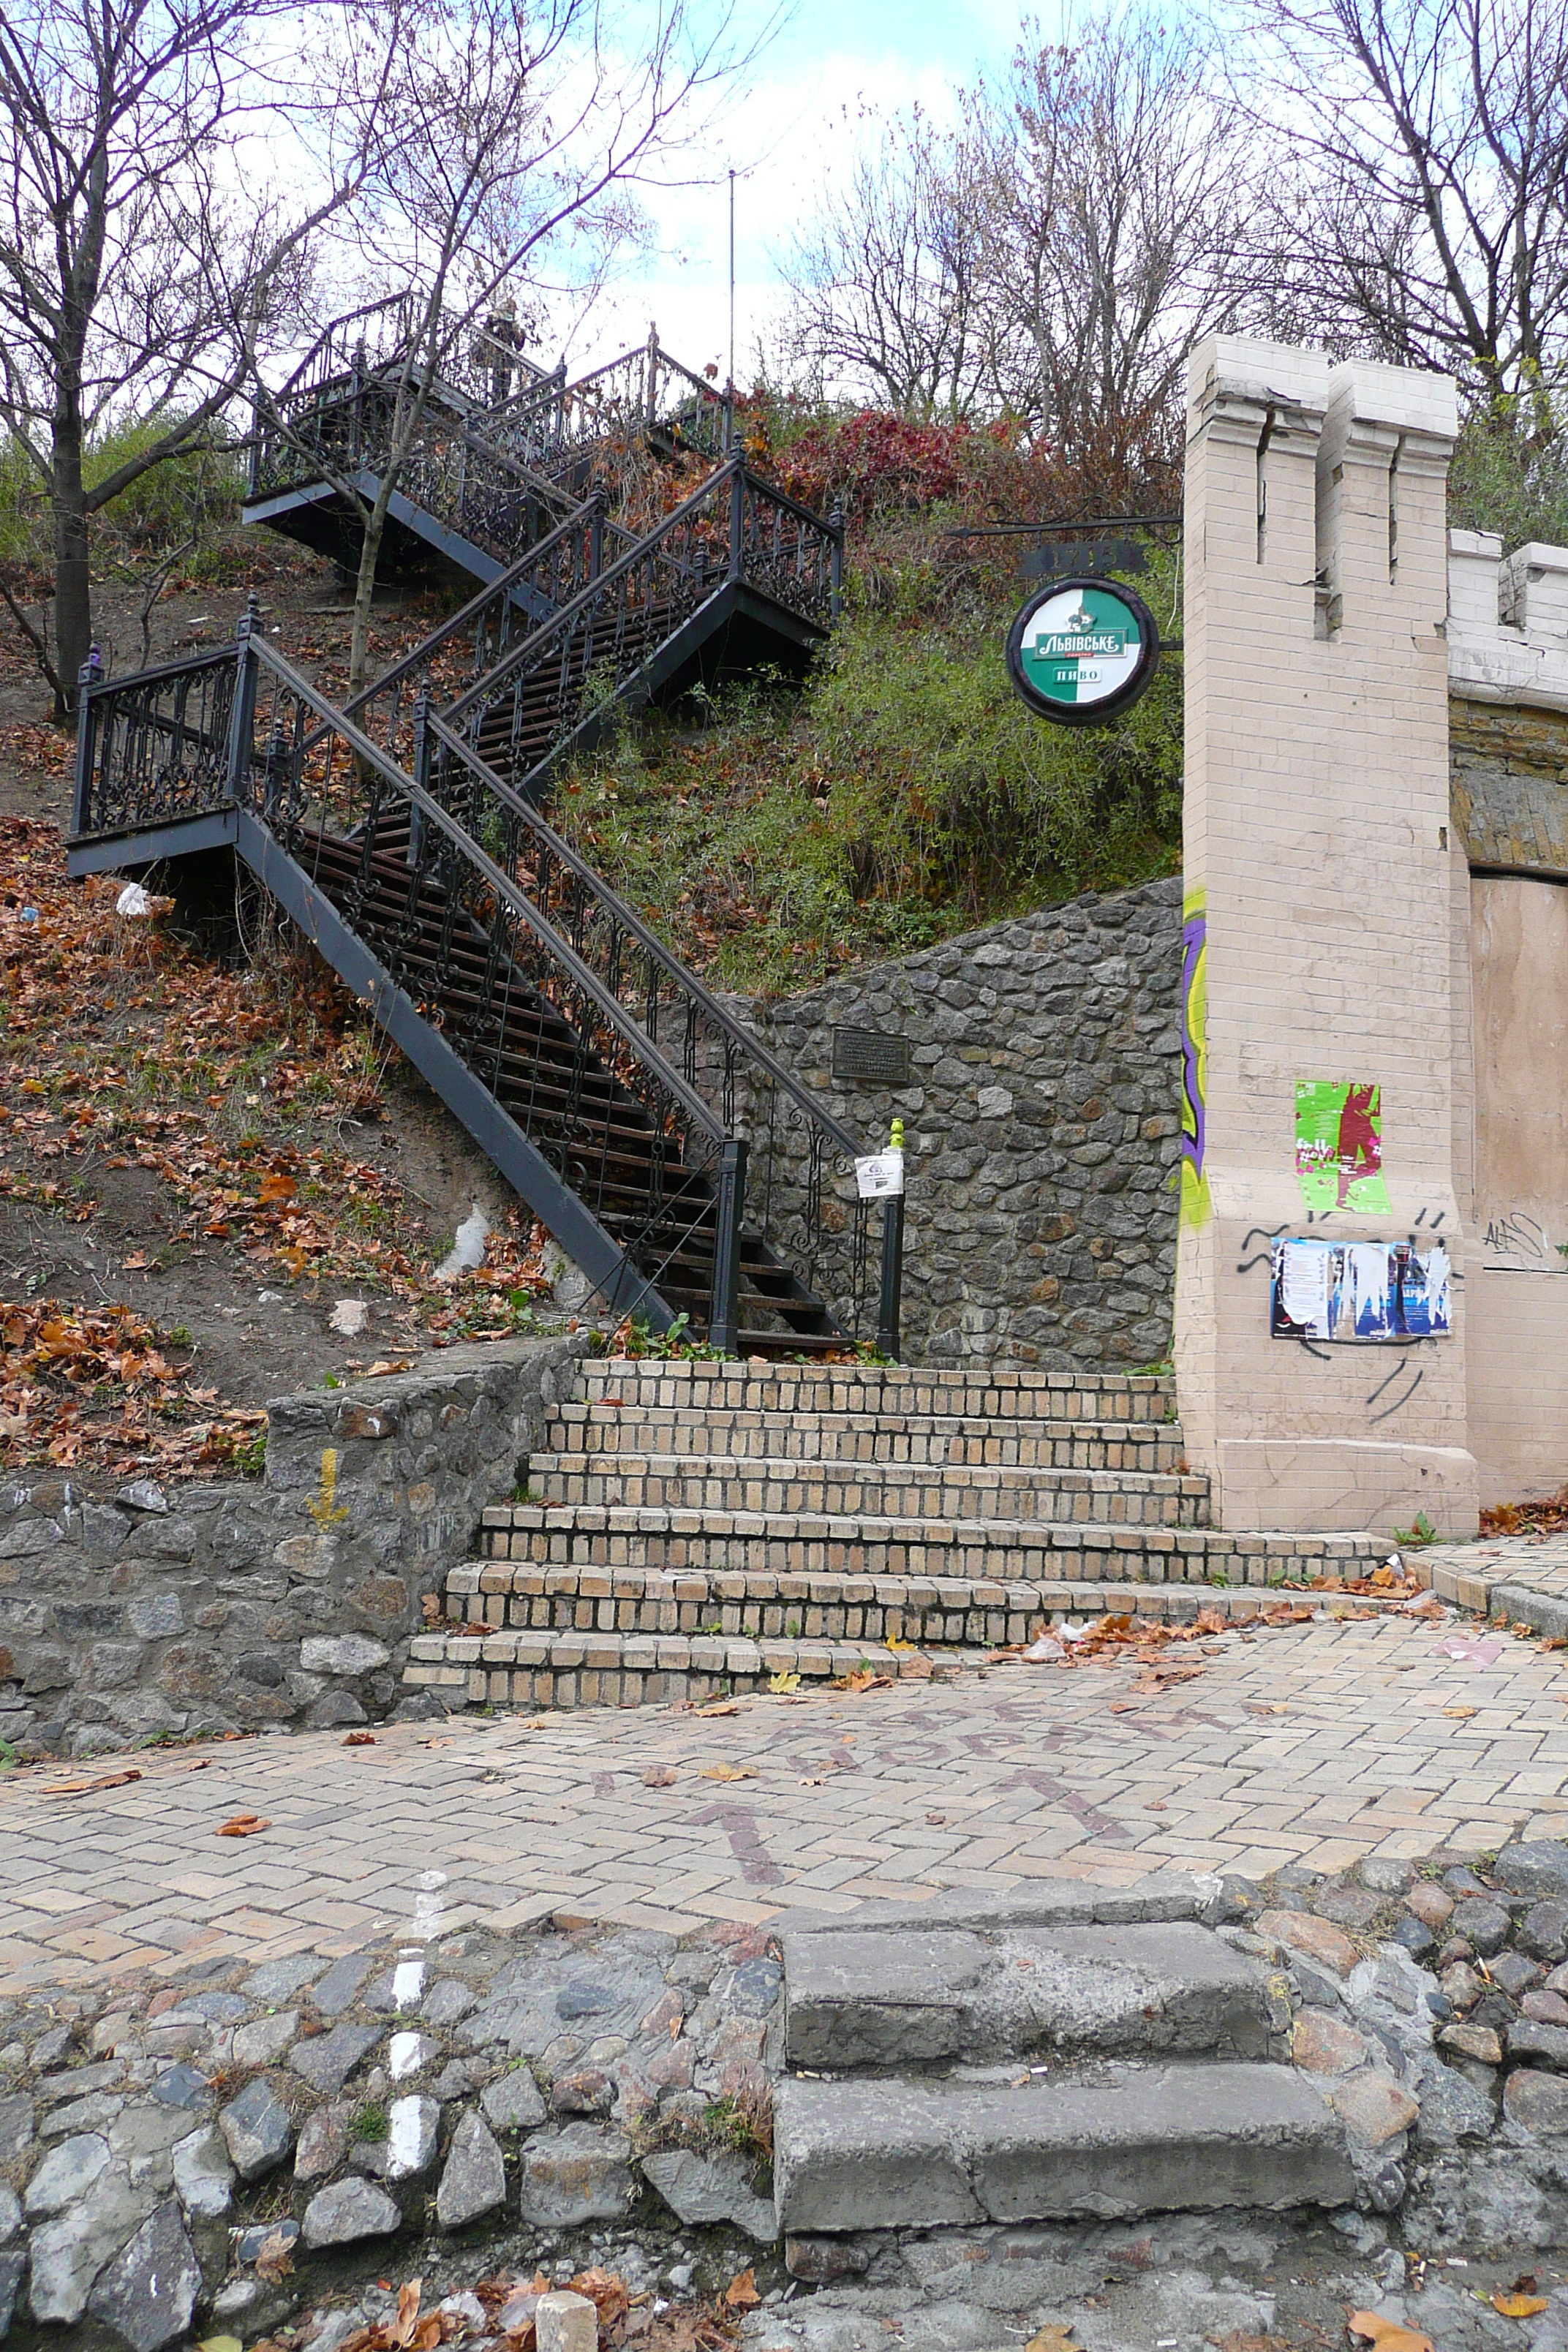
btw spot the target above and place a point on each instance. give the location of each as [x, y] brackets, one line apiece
[802, 1198]
[471, 360]
[486, 918]
[554, 689]
[644, 390]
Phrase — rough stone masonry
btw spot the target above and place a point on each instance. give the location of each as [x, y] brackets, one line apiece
[1042, 1125]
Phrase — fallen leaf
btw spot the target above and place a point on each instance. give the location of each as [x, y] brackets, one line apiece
[219, 2344]
[81, 1788]
[243, 1825]
[1387, 2335]
[782, 1683]
[1461, 1713]
[720, 1707]
[863, 1681]
[659, 1776]
[199, 1764]
[359, 1739]
[892, 1642]
[274, 2260]
[1518, 2306]
[728, 1772]
[278, 1187]
[1052, 2339]
[742, 2292]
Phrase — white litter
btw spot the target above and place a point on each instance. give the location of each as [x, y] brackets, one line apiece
[133, 900]
[467, 1249]
[350, 1317]
[1044, 1652]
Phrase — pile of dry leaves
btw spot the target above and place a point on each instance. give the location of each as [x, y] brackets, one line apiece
[1121, 1640]
[239, 1089]
[1549, 1517]
[99, 1380]
[499, 2312]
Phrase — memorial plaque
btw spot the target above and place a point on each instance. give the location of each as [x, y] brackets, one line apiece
[868, 1058]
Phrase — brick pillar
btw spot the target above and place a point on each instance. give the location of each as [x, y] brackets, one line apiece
[1322, 893]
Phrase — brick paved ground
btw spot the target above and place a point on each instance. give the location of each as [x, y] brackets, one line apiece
[1465, 1572]
[1317, 1743]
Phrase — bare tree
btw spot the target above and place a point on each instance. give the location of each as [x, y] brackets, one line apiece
[511, 138]
[1114, 194]
[138, 271]
[1424, 214]
[886, 281]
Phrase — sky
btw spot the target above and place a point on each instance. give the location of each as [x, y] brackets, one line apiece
[828, 56]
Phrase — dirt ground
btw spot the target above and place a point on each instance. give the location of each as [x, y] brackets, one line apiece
[102, 1121]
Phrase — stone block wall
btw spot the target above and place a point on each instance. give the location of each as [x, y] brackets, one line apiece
[290, 1600]
[1042, 1127]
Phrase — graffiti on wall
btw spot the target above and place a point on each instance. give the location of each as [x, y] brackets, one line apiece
[1195, 1059]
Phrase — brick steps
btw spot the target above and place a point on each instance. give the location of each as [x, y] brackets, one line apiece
[710, 1525]
[781, 1488]
[786, 1389]
[754, 1543]
[935, 1440]
[494, 1596]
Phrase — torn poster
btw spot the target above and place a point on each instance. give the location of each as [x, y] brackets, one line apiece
[1302, 1301]
[1359, 1291]
[1419, 1292]
[1339, 1145]
[1366, 1290]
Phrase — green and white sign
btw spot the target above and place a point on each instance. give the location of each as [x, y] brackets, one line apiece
[1083, 651]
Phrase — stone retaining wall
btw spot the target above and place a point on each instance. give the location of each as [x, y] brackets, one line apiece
[289, 1599]
[1042, 1125]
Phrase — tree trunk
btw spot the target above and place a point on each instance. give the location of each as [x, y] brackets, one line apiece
[73, 591]
[364, 587]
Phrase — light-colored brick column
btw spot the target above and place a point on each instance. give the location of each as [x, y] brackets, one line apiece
[1321, 883]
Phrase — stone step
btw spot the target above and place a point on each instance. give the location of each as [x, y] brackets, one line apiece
[524, 1667]
[917, 1439]
[726, 1386]
[941, 1612]
[781, 1488]
[714, 1542]
[925, 1997]
[1108, 2144]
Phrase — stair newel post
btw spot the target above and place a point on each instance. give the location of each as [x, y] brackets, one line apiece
[737, 520]
[274, 772]
[728, 1206]
[836, 562]
[892, 1256]
[242, 729]
[421, 772]
[90, 674]
[596, 536]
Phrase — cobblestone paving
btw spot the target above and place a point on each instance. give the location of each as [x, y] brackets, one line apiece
[1317, 1743]
[1466, 1572]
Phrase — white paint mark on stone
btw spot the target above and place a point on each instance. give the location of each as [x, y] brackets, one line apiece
[427, 1907]
[402, 2054]
[407, 1984]
[404, 2132]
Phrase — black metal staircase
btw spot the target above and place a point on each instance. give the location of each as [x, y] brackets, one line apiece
[678, 1161]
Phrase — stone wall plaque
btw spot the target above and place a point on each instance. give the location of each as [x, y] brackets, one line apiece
[869, 1057]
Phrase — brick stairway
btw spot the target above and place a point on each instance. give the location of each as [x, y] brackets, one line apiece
[698, 1528]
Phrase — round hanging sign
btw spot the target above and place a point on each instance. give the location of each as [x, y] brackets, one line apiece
[1083, 651]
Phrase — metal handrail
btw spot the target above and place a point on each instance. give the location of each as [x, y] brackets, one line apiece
[680, 974]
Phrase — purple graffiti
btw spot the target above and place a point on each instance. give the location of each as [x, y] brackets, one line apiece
[1194, 936]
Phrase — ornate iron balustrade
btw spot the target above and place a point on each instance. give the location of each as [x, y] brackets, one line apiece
[477, 637]
[156, 746]
[599, 1044]
[556, 685]
[639, 391]
[802, 1198]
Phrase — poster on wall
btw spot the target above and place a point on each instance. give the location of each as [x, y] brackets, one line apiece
[1365, 1292]
[1339, 1146]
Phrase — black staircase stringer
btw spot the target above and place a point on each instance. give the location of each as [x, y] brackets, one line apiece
[615, 1279]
